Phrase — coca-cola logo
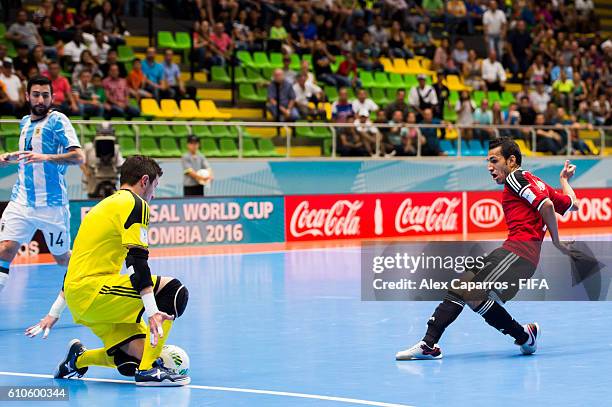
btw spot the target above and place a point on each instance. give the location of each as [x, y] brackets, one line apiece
[339, 220]
[486, 213]
[591, 210]
[440, 216]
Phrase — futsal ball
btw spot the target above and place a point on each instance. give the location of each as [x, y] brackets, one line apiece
[175, 358]
[203, 173]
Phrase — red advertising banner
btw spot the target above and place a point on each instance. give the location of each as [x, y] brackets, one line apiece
[358, 216]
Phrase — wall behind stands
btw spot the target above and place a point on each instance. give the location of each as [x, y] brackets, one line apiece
[297, 177]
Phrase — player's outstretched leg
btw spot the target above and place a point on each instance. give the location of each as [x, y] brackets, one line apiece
[171, 299]
[495, 315]
[443, 316]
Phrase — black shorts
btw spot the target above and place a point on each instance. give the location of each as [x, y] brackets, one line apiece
[197, 190]
[503, 269]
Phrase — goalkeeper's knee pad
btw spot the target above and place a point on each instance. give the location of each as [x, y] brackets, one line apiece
[126, 364]
[172, 298]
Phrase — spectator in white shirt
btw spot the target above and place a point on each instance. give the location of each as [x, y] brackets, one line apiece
[379, 33]
[75, 48]
[540, 98]
[494, 23]
[493, 73]
[305, 93]
[366, 131]
[364, 102]
[423, 96]
[99, 49]
[14, 88]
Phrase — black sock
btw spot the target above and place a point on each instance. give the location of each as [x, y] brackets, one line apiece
[443, 316]
[497, 316]
[4, 270]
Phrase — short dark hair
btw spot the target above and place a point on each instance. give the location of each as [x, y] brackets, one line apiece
[508, 148]
[39, 80]
[135, 167]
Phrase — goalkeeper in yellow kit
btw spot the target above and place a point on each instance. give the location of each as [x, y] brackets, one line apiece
[111, 304]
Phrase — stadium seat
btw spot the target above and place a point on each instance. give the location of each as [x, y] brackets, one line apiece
[331, 92]
[453, 82]
[507, 98]
[149, 107]
[448, 147]
[400, 66]
[165, 40]
[127, 146]
[367, 79]
[387, 64]
[189, 109]
[180, 131]
[453, 98]
[248, 148]
[182, 40]
[228, 148]
[276, 60]
[260, 60]
[11, 143]
[246, 91]
[239, 75]
[411, 81]
[304, 131]
[478, 96]
[170, 109]
[449, 114]
[525, 149]
[162, 130]
[245, 58]
[594, 149]
[209, 110]
[334, 65]
[125, 54]
[253, 76]
[148, 146]
[209, 148]
[220, 132]
[219, 74]
[321, 132]
[295, 62]
[144, 130]
[122, 130]
[168, 147]
[201, 131]
[476, 148]
[379, 97]
[266, 148]
[396, 81]
[382, 81]
[9, 129]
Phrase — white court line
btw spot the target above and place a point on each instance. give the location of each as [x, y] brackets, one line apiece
[229, 389]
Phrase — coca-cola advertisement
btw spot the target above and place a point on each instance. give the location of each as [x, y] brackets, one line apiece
[359, 216]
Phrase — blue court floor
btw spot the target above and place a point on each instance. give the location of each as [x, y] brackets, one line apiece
[289, 329]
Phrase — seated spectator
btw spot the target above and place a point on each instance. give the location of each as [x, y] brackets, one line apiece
[394, 134]
[578, 145]
[329, 35]
[87, 100]
[172, 77]
[308, 29]
[23, 32]
[465, 108]
[350, 143]
[74, 49]
[281, 99]
[154, 72]
[410, 138]
[6, 107]
[378, 32]
[601, 110]
[364, 102]
[50, 39]
[305, 93]
[45, 10]
[443, 95]
[563, 91]
[137, 82]
[397, 42]
[550, 112]
[510, 63]
[493, 73]
[537, 72]
[472, 72]
[423, 97]
[87, 62]
[290, 74]
[584, 113]
[547, 140]
[108, 23]
[82, 19]
[431, 143]
[305, 70]
[368, 133]
[342, 108]
[367, 53]
[539, 98]
[322, 60]
[512, 117]
[62, 20]
[525, 91]
[399, 104]
[99, 49]
[348, 69]
[434, 10]
[456, 14]
[244, 37]
[498, 117]
[63, 99]
[3, 54]
[442, 60]
[98, 87]
[41, 61]
[483, 116]
[422, 42]
[278, 33]
[474, 12]
[111, 59]
[23, 62]
[13, 89]
[221, 45]
[580, 93]
[527, 112]
[555, 72]
[117, 95]
[460, 55]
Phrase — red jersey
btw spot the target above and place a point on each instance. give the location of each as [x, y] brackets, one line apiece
[524, 194]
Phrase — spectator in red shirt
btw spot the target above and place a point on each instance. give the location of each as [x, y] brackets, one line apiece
[348, 67]
[61, 18]
[221, 45]
[117, 93]
[63, 99]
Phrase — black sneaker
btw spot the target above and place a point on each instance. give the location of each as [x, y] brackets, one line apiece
[67, 367]
[159, 375]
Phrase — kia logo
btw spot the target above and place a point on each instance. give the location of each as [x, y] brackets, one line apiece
[486, 213]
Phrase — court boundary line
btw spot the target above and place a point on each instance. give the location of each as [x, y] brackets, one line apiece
[228, 389]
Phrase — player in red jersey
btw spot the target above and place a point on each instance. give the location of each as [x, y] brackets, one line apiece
[530, 208]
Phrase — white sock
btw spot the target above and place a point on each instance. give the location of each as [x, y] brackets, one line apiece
[3, 280]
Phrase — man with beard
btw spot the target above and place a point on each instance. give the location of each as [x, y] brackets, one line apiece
[47, 145]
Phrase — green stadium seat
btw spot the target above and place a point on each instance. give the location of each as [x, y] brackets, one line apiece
[149, 147]
[266, 148]
[321, 132]
[127, 146]
[144, 130]
[253, 76]
[168, 147]
[162, 130]
[378, 95]
[477, 96]
[208, 147]
[246, 91]
[220, 131]
[507, 98]
[396, 81]
[367, 79]
[11, 143]
[10, 129]
[267, 73]
[201, 131]
[382, 81]
[411, 80]
[219, 74]
[262, 93]
[180, 131]
[239, 75]
[453, 98]
[125, 54]
[351, 93]
[165, 40]
[449, 114]
[260, 60]
[276, 60]
[245, 58]
[2, 29]
[248, 148]
[331, 92]
[304, 131]
[334, 66]
[295, 62]
[182, 40]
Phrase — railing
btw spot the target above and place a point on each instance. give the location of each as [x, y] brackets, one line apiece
[289, 129]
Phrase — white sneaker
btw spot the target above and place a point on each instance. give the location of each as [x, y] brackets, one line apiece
[420, 351]
[533, 330]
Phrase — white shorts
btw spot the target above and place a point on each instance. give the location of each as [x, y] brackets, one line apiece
[19, 223]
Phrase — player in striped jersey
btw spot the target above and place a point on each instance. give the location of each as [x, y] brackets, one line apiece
[530, 208]
[47, 146]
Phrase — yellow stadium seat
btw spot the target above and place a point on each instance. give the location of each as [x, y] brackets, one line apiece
[149, 107]
[454, 83]
[387, 64]
[189, 110]
[170, 109]
[525, 150]
[426, 63]
[592, 146]
[209, 110]
[399, 66]
[589, 134]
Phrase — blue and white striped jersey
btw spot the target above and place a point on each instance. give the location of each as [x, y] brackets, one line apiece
[44, 184]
